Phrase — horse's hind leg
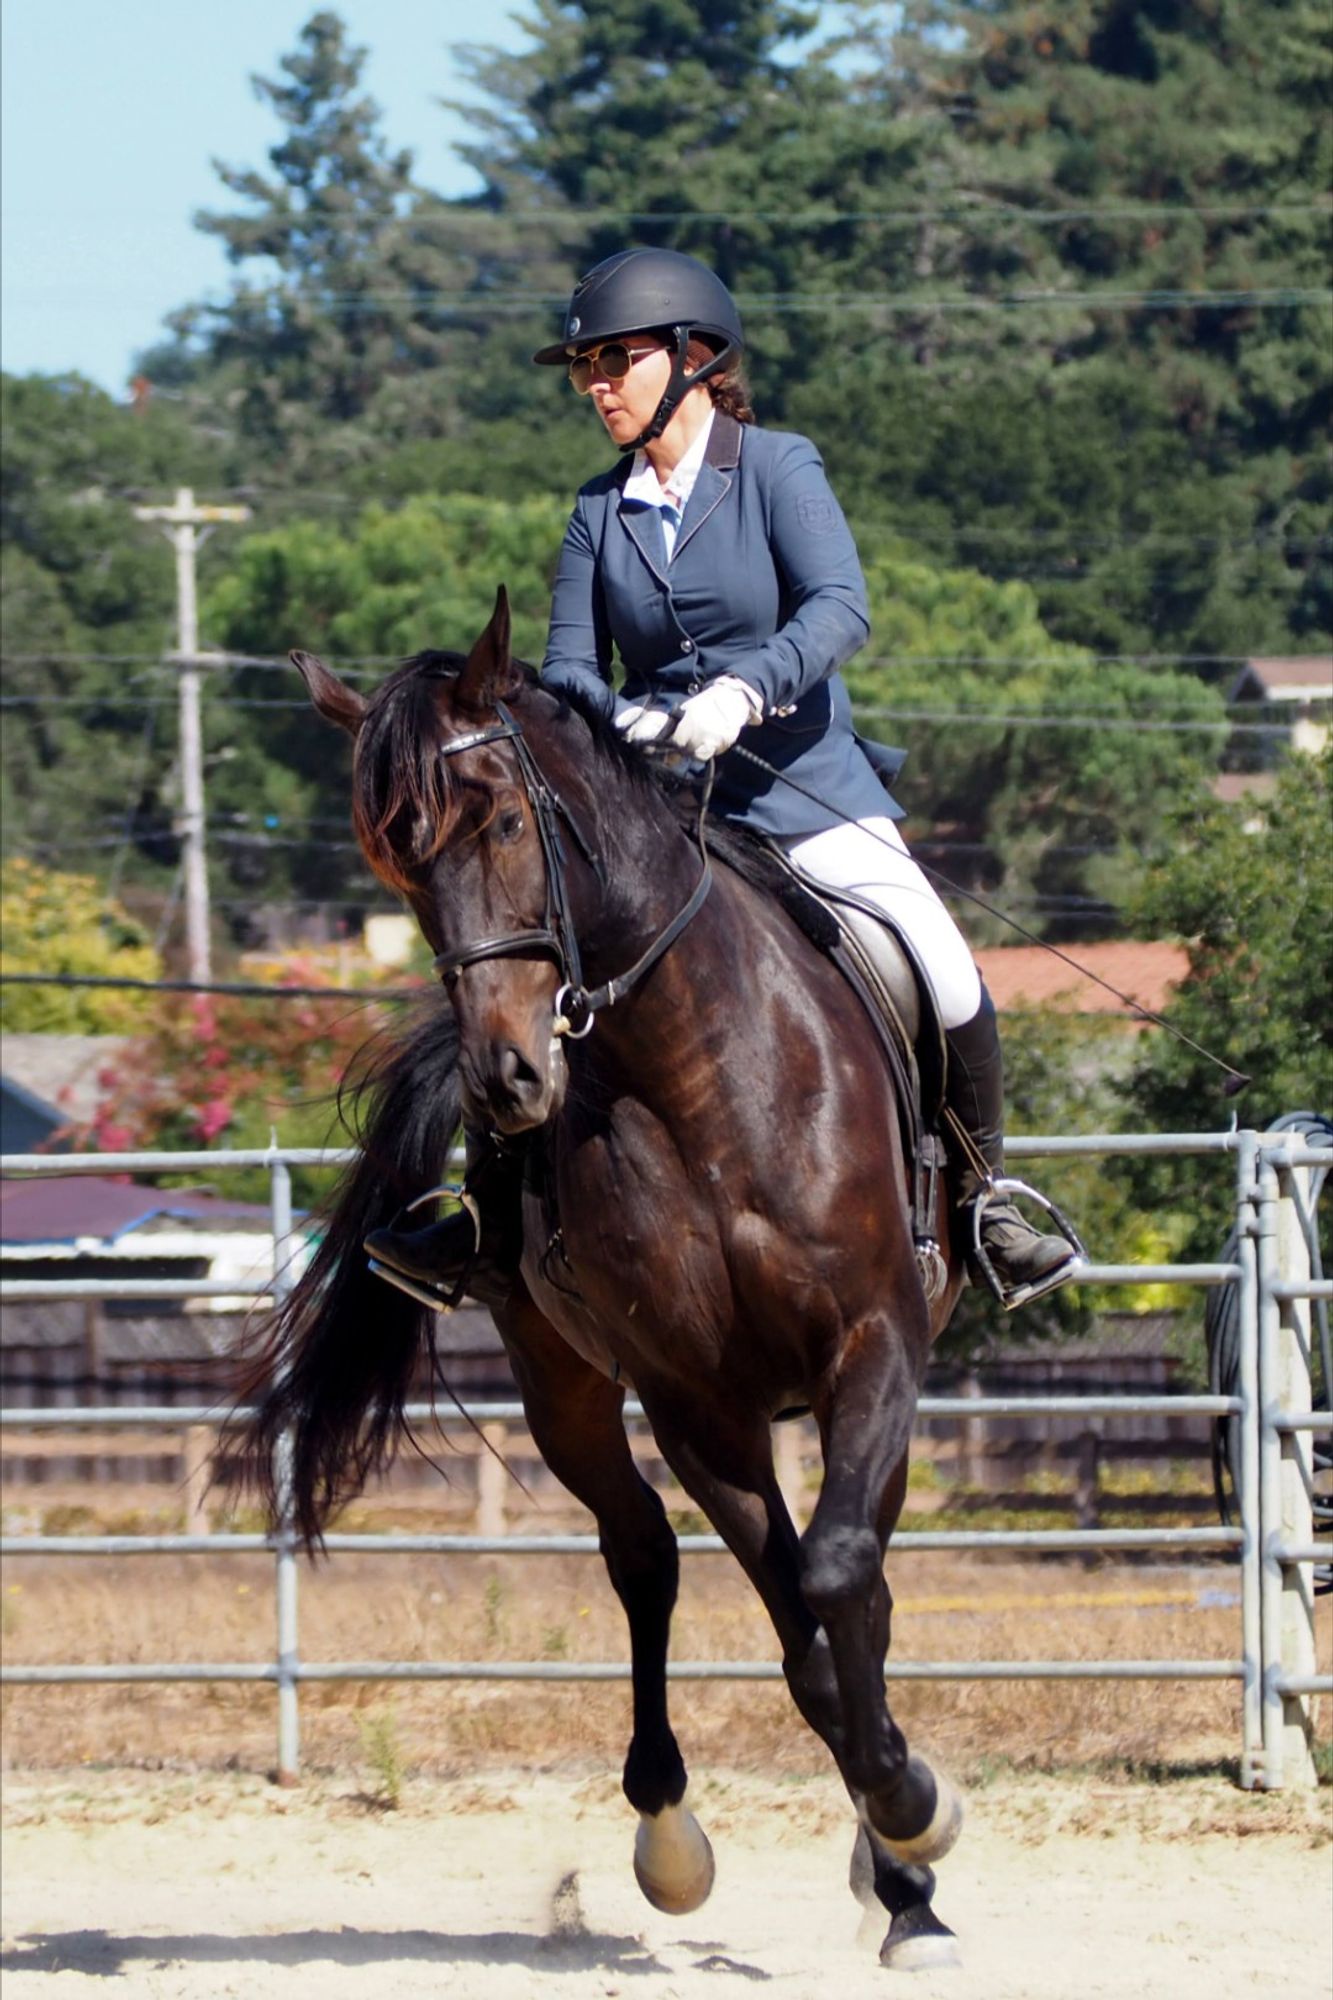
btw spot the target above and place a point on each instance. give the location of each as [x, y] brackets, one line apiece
[729, 1472]
[911, 1817]
[575, 1415]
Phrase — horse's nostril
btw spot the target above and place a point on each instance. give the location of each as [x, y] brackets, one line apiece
[517, 1075]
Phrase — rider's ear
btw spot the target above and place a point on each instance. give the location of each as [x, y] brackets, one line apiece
[490, 673]
[333, 698]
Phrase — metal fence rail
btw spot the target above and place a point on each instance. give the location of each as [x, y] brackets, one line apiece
[1273, 1544]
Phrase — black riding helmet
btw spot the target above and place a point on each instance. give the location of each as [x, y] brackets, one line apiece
[652, 291]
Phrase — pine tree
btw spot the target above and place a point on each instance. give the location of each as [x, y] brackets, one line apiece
[1132, 251]
[695, 127]
[351, 301]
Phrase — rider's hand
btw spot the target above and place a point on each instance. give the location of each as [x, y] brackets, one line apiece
[642, 725]
[710, 721]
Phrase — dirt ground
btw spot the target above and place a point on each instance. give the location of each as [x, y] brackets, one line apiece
[144, 1846]
[179, 1886]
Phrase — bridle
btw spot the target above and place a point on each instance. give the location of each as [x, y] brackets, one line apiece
[575, 1006]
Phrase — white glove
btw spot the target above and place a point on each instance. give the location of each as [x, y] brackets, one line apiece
[710, 721]
[642, 725]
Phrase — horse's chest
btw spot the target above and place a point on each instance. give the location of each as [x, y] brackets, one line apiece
[624, 1238]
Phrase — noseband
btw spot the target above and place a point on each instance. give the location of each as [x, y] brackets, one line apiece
[556, 938]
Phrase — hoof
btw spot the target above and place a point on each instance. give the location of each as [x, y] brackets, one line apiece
[935, 1840]
[673, 1861]
[919, 1942]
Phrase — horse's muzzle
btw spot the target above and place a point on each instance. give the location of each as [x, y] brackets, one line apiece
[509, 1091]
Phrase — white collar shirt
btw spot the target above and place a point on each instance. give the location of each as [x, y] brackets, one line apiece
[672, 499]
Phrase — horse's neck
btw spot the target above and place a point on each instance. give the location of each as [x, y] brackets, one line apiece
[652, 866]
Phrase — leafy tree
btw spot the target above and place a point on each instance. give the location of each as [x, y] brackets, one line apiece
[697, 127]
[1250, 892]
[58, 923]
[1053, 819]
[88, 610]
[392, 583]
[1106, 164]
[348, 304]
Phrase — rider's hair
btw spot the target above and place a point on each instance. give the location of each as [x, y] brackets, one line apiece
[730, 391]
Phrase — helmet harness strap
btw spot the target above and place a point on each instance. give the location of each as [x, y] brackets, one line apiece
[678, 385]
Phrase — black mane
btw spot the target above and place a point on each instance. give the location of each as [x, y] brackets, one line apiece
[398, 773]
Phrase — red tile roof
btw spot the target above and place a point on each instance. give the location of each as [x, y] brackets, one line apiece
[1237, 787]
[1027, 975]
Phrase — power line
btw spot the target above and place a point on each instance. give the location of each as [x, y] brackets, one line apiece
[344, 663]
[971, 212]
[297, 903]
[1253, 538]
[982, 719]
[421, 223]
[236, 990]
[976, 718]
[777, 304]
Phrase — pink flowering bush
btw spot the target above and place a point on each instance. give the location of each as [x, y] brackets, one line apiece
[230, 1071]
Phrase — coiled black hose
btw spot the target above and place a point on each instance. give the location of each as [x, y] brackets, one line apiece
[1221, 1325]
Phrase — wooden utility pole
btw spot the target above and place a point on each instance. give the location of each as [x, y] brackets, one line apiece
[181, 523]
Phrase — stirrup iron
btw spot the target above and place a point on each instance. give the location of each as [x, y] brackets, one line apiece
[444, 1300]
[1001, 1186]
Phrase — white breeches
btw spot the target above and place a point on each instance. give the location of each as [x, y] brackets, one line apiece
[872, 860]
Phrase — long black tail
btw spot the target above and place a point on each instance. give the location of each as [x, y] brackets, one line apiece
[335, 1364]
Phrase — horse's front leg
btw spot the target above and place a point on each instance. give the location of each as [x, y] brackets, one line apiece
[575, 1415]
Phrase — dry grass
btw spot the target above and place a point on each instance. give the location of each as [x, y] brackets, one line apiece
[415, 1607]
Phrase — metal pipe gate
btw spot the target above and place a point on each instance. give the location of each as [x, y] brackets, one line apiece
[1274, 1542]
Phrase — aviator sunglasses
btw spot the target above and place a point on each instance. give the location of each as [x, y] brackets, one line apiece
[615, 358]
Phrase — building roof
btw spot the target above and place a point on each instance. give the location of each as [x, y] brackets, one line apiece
[1307, 677]
[64, 1071]
[1027, 975]
[1243, 787]
[69, 1208]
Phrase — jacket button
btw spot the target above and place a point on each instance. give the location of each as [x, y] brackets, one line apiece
[695, 686]
[687, 645]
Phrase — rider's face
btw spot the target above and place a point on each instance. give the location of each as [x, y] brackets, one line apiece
[626, 407]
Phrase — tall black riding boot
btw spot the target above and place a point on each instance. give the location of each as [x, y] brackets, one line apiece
[1025, 1262]
[485, 1255]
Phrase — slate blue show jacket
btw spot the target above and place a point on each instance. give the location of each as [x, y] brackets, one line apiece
[765, 584]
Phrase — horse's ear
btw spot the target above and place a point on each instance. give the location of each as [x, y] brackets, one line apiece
[333, 698]
[490, 673]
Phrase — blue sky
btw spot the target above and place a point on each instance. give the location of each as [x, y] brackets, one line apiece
[110, 117]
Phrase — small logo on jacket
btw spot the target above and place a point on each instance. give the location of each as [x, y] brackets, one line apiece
[815, 513]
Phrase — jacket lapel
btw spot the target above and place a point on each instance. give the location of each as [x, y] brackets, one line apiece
[643, 525]
[721, 458]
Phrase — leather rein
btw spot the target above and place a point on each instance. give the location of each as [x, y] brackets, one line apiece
[575, 1006]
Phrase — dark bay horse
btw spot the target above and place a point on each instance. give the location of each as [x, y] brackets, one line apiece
[721, 1159]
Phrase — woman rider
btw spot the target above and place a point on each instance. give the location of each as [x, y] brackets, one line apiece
[716, 561]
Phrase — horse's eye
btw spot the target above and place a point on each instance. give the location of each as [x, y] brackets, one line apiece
[511, 824]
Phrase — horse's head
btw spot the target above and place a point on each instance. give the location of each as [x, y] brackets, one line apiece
[445, 815]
